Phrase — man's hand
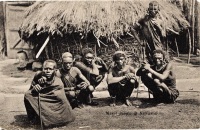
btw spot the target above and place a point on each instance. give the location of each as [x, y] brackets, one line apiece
[42, 80]
[37, 87]
[93, 62]
[130, 76]
[99, 62]
[147, 66]
[69, 89]
[83, 85]
[99, 78]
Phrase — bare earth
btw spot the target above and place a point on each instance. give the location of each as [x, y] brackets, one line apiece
[184, 114]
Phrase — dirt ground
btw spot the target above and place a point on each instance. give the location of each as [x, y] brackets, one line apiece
[184, 114]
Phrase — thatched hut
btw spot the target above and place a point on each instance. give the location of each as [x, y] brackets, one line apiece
[70, 25]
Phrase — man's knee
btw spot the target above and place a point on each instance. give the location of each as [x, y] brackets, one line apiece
[90, 88]
[132, 83]
[146, 79]
[71, 94]
[113, 89]
[149, 75]
[157, 81]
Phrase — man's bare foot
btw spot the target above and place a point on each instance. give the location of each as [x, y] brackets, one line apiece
[113, 102]
[128, 103]
[80, 105]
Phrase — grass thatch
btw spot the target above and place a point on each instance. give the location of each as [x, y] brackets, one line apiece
[105, 18]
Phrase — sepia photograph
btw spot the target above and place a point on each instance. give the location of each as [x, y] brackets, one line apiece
[107, 64]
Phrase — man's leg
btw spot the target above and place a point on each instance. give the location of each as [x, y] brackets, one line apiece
[71, 96]
[32, 116]
[169, 94]
[152, 85]
[173, 96]
[90, 96]
[85, 96]
[113, 90]
[148, 81]
[82, 97]
[165, 94]
[149, 55]
[128, 89]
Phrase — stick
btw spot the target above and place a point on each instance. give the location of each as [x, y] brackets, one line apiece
[115, 42]
[193, 26]
[149, 94]
[47, 52]
[177, 33]
[43, 46]
[60, 57]
[137, 91]
[95, 50]
[143, 51]
[98, 43]
[189, 40]
[16, 43]
[99, 40]
[40, 114]
[177, 50]
[137, 38]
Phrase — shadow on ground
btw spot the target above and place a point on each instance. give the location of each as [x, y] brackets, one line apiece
[23, 122]
[189, 101]
[136, 102]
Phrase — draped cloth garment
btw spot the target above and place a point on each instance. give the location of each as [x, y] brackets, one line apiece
[55, 108]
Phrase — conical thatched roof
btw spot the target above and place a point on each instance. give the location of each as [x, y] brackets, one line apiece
[105, 18]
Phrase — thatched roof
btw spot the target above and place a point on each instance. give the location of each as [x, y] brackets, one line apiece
[104, 18]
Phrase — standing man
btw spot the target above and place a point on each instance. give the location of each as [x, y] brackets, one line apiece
[159, 78]
[46, 99]
[152, 28]
[76, 86]
[121, 79]
[93, 68]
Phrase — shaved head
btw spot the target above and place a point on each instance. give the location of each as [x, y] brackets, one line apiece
[66, 54]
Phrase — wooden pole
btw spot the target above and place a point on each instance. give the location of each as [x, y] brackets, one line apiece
[4, 36]
[177, 50]
[189, 43]
[16, 43]
[43, 46]
[95, 50]
[193, 24]
[52, 54]
[198, 26]
[46, 52]
[40, 111]
[59, 54]
[167, 47]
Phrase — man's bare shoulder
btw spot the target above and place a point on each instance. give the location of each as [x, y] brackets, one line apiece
[169, 66]
[78, 63]
[129, 67]
[76, 69]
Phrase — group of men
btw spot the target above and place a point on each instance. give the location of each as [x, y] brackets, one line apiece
[55, 92]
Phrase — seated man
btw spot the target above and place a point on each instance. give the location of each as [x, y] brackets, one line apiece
[76, 86]
[46, 98]
[159, 78]
[121, 79]
[93, 68]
